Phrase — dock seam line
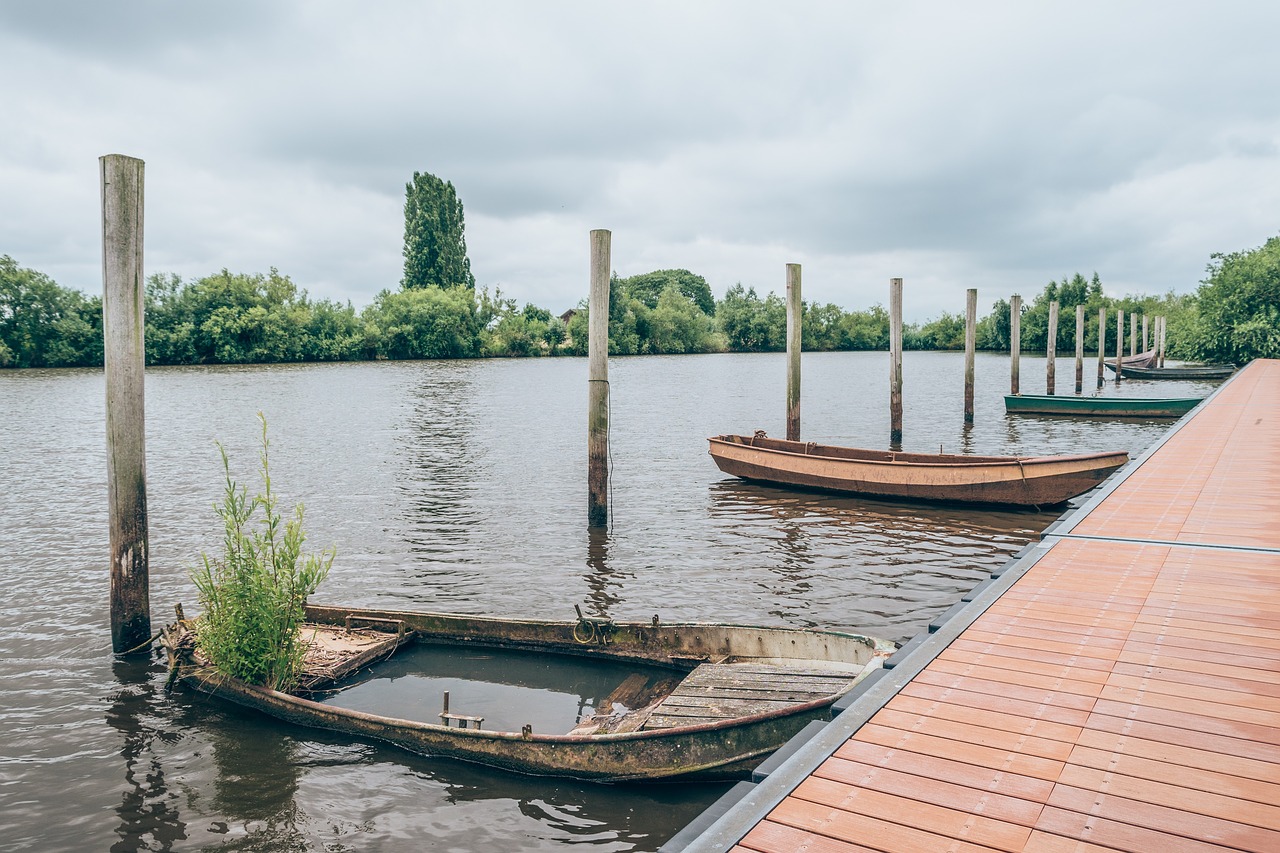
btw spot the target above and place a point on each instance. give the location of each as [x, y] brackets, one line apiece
[1213, 546]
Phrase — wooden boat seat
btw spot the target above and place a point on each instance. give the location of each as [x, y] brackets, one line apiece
[721, 691]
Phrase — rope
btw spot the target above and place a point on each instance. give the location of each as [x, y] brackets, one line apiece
[141, 645]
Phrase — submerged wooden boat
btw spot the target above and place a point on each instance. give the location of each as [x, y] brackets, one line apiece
[729, 695]
[1099, 407]
[1203, 371]
[1009, 480]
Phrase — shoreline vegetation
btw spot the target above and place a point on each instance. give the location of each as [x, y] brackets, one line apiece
[439, 312]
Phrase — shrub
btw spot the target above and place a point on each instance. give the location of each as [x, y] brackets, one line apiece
[254, 595]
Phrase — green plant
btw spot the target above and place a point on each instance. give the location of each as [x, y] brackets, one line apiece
[254, 595]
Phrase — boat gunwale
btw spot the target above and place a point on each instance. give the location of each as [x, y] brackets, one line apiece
[970, 462]
[198, 676]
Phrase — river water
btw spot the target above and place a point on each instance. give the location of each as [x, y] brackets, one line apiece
[454, 486]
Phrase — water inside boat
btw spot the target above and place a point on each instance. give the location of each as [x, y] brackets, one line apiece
[509, 690]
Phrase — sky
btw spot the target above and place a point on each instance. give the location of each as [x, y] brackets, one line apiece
[996, 145]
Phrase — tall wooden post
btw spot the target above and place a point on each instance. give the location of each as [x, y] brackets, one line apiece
[794, 319]
[1144, 333]
[970, 347]
[1102, 345]
[124, 358]
[1133, 333]
[1015, 340]
[1051, 350]
[1079, 348]
[598, 382]
[1119, 344]
[895, 360]
[1164, 327]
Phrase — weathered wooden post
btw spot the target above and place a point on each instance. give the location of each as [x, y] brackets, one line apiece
[1015, 340]
[1119, 344]
[1164, 326]
[124, 360]
[598, 382]
[1102, 345]
[1079, 349]
[895, 360]
[970, 347]
[1051, 349]
[1133, 333]
[794, 319]
[1144, 333]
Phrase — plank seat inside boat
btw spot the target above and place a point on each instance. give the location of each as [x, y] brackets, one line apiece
[722, 691]
[336, 651]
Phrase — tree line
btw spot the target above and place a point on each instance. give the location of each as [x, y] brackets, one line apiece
[438, 312]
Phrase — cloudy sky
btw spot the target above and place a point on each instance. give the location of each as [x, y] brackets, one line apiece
[956, 145]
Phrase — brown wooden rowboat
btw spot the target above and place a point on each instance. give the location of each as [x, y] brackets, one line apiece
[1010, 480]
[729, 696]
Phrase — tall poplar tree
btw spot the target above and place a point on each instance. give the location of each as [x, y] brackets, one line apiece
[435, 248]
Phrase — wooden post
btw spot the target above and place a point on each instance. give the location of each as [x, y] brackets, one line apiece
[1133, 333]
[1051, 349]
[895, 360]
[1164, 327]
[970, 347]
[1015, 340]
[1119, 344]
[1079, 349]
[794, 318]
[1102, 345]
[598, 382]
[124, 360]
[1144, 333]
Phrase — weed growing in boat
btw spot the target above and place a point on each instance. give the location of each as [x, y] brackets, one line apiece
[255, 593]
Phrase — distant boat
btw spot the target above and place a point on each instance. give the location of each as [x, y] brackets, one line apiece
[1099, 407]
[702, 701]
[1008, 480]
[1204, 371]
[1128, 362]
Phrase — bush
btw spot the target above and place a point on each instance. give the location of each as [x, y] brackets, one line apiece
[255, 595]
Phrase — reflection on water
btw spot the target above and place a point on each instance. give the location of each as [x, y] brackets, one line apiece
[453, 486]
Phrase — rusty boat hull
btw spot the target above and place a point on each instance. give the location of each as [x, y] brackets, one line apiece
[710, 733]
[1003, 480]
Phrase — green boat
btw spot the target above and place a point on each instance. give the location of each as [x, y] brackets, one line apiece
[1099, 407]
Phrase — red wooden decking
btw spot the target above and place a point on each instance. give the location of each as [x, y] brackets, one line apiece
[1123, 694]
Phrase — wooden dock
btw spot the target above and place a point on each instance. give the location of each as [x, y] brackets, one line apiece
[1116, 687]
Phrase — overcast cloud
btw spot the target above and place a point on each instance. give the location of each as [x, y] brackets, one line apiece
[988, 145]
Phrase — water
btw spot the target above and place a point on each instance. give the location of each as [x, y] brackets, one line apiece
[453, 486]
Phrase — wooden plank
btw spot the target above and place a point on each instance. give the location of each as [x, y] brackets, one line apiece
[1060, 698]
[1000, 704]
[1011, 741]
[1196, 778]
[1176, 737]
[963, 773]
[935, 791]
[1122, 835]
[1021, 677]
[970, 753]
[946, 822]
[993, 719]
[1200, 802]
[770, 837]
[854, 828]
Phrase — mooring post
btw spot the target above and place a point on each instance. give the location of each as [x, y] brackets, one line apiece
[1144, 333]
[1164, 325]
[794, 319]
[970, 347]
[124, 361]
[1015, 340]
[1133, 333]
[1119, 344]
[1102, 345]
[1051, 350]
[1079, 349]
[598, 382]
[895, 360]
